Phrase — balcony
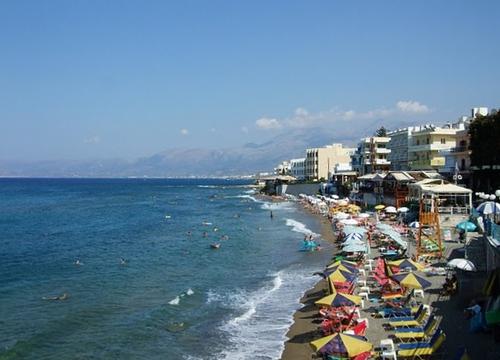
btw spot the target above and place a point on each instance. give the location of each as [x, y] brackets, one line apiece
[382, 151]
[427, 164]
[459, 149]
[430, 147]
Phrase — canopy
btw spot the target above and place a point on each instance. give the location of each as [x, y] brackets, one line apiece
[489, 207]
[411, 280]
[342, 344]
[364, 215]
[339, 299]
[462, 264]
[341, 267]
[396, 237]
[379, 207]
[382, 226]
[406, 263]
[466, 226]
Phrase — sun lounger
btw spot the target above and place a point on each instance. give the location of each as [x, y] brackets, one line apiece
[415, 321]
[417, 332]
[419, 349]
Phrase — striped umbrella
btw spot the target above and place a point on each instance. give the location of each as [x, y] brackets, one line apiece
[341, 276]
[406, 263]
[341, 267]
[350, 264]
[342, 344]
[411, 280]
[337, 299]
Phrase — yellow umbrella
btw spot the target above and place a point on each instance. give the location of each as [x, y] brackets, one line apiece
[343, 262]
[411, 280]
[406, 263]
[339, 299]
[340, 267]
[340, 276]
[379, 207]
[342, 344]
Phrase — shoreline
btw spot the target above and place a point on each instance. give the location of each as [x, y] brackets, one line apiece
[304, 329]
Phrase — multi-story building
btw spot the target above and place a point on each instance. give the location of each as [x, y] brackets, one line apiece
[427, 144]
[400, 140]
[320, 162]
[297, 168]
[371, 155]
[283, 169]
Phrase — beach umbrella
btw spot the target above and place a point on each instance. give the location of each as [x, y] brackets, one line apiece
[489, 207]
[411, 280]
[341, 276]
[403, 209]
[350, 229]
[462, 264]
[406, 263]
[382, 226]
[391, 210]
[466, 226]
[337, 299]
[355, 248]
[380, 207]
[341, 216]
[349, 222]
[342, 344]
[341, 267]
[414, 225]
[347, 263]
[363, 215]
[336, 197]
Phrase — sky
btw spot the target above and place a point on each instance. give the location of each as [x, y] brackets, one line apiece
[126, 79]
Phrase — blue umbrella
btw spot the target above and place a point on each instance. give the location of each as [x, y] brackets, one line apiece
[466, 226]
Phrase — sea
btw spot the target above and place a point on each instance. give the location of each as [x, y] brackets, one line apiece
[133, 257]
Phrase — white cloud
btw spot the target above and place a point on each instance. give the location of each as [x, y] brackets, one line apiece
[184, 132]
[244, 129]
[268, 123]
[412, 107]
[92, 140]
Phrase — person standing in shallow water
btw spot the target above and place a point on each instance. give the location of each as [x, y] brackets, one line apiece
[271, 214]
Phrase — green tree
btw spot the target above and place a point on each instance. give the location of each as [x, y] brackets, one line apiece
[381, 132]
[484, 134]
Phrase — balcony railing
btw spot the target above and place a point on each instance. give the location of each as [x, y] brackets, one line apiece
[459, 149]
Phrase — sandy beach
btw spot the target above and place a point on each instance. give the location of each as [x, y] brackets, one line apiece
[449, 310]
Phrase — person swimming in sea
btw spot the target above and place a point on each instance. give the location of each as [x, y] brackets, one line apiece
[123, 261]
[78, 262]
[205, 234]
[189, 233]
[54, 298]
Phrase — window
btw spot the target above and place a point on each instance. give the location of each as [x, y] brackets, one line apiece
[418, 142]
[443, 141]
[428, 140]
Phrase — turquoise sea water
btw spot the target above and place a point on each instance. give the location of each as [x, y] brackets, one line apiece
[175, 298]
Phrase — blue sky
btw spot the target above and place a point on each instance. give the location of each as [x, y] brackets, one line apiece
[106, 79]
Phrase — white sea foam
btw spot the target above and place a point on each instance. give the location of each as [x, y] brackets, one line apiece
[299, 227]
[209, 186]
[175, 301]
[259, 331]
[189, 292]
[285, 205]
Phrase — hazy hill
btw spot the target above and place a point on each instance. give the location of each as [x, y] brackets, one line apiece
[245, 159]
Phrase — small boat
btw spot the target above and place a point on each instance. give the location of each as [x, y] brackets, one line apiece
[215, 246]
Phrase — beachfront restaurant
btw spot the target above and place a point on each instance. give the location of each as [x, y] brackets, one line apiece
[450, 198]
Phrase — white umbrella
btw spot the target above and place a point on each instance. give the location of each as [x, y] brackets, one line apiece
[341, 216]
[403, 209]
[462, 264]
[349, 222]
[364, 215]
[390, 210]
[335, 197]
[414, 225]
[489, 207]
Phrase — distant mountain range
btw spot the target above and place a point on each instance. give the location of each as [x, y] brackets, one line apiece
[243, 160]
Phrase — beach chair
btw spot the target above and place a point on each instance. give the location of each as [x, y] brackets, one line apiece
[418, 350]
[412, 315]
[416, 333]
[415, 321]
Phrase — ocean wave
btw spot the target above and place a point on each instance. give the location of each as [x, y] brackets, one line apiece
[299, 227]
[285, 205]
[264, 317]
[176, 301]
[209, 186]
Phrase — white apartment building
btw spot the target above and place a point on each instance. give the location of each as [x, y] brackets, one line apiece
[283, 169]
[297, 168]
[400, 140]
[320, 162]
[371, 155]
